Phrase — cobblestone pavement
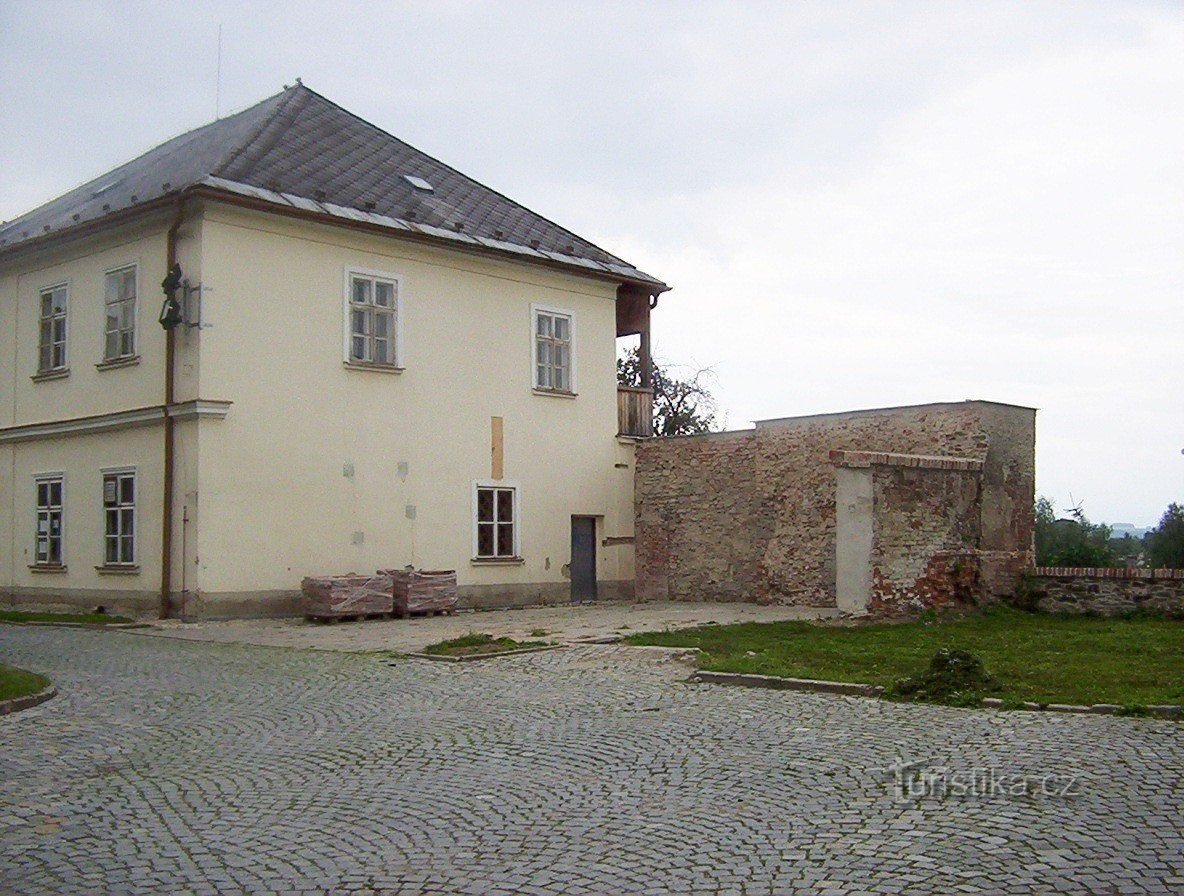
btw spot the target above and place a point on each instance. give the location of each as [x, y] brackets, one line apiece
[566, 623]
[173, 767]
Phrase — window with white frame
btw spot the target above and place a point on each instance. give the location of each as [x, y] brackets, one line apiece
[52, 345]
[119, 511]
[48, 542]
[553, 331]
[497, 523]
[373, 319]
[120, 297]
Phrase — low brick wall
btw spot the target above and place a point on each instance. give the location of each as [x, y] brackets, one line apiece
[1107, 592]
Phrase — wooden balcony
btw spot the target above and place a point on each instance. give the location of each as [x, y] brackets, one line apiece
[635, 412]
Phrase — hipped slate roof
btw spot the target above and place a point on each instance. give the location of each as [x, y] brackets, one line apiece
[297, 151]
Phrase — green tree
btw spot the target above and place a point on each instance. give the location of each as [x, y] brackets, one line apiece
[1072, 541]
[1165, 545]
[683, 405]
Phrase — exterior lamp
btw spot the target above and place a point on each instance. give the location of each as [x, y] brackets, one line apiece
[171, 313]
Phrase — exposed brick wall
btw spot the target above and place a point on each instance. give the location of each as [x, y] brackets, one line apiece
[1107, 592]
[926, 529]
[706, 523]
[751, 515]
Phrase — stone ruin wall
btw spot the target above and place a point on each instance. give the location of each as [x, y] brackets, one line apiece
[751, 515]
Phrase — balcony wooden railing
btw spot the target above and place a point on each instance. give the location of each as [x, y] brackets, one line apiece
[635, 412]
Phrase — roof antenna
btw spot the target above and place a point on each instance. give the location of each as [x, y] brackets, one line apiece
[218, 79]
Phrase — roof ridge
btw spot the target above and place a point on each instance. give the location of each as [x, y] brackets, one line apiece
[502, 195]
[232, 154]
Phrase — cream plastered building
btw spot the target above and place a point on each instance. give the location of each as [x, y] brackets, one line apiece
[372, 361]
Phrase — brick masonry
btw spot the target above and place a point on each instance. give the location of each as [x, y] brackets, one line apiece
[1107, 592]
[751, 515]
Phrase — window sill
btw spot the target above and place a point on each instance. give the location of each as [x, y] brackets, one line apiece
[497, 561]
[48, 375]
[116, 363]
[373, 368]
[118, 570]
[553, 393]
[47, 567]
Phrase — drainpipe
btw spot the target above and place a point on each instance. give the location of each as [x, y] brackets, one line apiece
[170, 350]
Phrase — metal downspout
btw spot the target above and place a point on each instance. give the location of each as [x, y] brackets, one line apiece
[170, 349]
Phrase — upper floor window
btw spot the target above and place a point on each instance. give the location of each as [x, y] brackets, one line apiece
[120, 298]
[554, 332]
[119, 511]
[52, 343]
[48, 540]
[372, 319]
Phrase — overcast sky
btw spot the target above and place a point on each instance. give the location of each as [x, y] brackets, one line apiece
[858, 205]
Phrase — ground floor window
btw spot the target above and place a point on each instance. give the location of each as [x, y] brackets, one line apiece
[497, 525]
[119, 510]
[48, 549]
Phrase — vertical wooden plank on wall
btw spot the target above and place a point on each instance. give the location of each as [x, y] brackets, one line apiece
[497, 451]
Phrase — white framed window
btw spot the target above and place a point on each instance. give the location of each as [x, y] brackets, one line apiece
[119, 296]
[119, 517]
[50, 531]
[51, 355]
[553, 332]
[496, 523]
[373, 319]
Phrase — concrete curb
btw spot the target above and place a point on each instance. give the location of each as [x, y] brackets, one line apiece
[1162, 711]
[736, 679]
[118, 626]
[16, 704]
[473, 657]
[773, 682]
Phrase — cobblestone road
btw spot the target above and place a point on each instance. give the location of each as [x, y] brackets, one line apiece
[174, 767]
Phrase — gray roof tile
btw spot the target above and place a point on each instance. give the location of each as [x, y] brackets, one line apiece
[299, 150]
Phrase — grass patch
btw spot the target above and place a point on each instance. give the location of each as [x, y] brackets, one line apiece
[19, 616]
[1133, 662]
[474, 643]
[18, 682]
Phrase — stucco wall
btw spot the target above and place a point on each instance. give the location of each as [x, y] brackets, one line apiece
[89, 391]
[752, 515]
[275, 504]
[261, 496]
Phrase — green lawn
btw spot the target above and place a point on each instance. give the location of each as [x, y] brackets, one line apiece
[19, 616]
[474, 643]
[1045, 659]
[18, 682]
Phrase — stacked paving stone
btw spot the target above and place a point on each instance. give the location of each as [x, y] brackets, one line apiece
[329, 597]
[423, 590]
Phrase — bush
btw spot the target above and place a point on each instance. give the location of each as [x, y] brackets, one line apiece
[955, 677]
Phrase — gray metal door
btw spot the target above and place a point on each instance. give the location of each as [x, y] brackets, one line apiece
[583, 558]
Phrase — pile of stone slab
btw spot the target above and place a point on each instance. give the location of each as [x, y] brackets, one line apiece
[423, 590]
[347, 597]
